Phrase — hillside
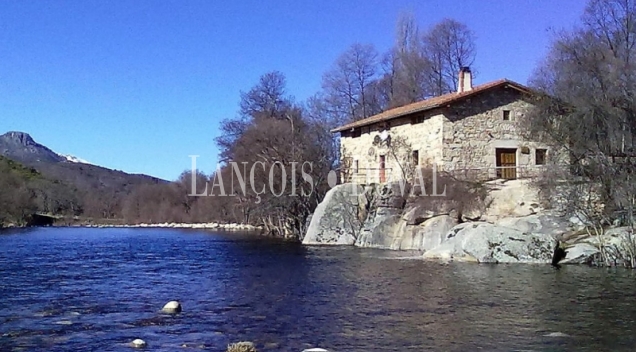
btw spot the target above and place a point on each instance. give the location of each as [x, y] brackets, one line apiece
[25, 191]
[61, 186]
[8, 165]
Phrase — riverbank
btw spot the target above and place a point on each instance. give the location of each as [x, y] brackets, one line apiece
[207, 226]
[507, 224]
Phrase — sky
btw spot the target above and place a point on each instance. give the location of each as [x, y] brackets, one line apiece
[141, 85]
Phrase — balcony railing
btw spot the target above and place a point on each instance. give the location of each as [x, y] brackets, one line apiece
[364, 175]
[374, 175]
[497, 172]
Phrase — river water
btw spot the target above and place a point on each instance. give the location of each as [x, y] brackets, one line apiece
[77, 289]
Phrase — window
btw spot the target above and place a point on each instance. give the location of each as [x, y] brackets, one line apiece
[539, 157]
[417, 119]
[355, 166]
[416, 157]
[506, 115]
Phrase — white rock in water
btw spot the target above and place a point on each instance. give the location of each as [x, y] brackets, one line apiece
[316, 350]
[138, 343]
[172, 307]
[556, 334]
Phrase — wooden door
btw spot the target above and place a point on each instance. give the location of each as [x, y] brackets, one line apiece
[382, 169]
[506, 163]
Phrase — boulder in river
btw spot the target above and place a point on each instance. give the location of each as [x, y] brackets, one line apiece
[138, 343]
[581, 253]
[488, 243]
[172, 307]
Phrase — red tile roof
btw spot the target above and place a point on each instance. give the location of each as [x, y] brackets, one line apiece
[431, 103]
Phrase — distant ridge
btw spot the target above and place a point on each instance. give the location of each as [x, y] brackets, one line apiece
[101, 190]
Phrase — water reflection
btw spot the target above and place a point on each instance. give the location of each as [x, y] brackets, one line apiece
[79, 289]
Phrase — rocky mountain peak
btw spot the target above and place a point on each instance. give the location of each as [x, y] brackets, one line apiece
[20, 138]
[21, 147]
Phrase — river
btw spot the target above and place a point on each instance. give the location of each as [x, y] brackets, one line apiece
[76, 289]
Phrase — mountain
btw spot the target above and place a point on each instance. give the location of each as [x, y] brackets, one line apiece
[101, 191]
[19, 146]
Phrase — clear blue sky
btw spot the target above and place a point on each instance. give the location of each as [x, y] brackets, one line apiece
[140, 85]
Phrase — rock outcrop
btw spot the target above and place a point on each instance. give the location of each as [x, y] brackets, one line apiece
[545, 223]
[336, 220]
[384, 216]
[581, 253]
[510, 198]
[615, 247]
[488, 243]
[425, 236]
[385, 212]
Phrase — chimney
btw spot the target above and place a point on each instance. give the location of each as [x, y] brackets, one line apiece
[465, 80]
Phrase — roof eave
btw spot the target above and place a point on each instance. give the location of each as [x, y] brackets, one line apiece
[504, 83]
[346, 127]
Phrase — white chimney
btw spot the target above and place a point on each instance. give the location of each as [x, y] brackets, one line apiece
[465, 83]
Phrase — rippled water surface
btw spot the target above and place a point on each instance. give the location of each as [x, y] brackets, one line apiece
[98, 289]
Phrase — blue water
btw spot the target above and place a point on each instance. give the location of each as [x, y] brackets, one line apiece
[64, 289]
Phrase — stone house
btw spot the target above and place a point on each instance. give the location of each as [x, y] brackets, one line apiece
[472, 130]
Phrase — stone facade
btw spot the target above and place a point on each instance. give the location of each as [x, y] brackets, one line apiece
[426, 139]
[475, 129]
[464, 136]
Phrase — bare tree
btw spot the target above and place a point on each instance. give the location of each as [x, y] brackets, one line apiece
[283, 145]
[406, 65]
[591, 74]
[449, 46]
[346, 84]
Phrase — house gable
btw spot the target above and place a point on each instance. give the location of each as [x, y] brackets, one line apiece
[492, 104]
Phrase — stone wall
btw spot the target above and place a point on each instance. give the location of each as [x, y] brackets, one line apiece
[475, 128]
[423, 132]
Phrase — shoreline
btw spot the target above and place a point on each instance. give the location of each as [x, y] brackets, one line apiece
[205, 226]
